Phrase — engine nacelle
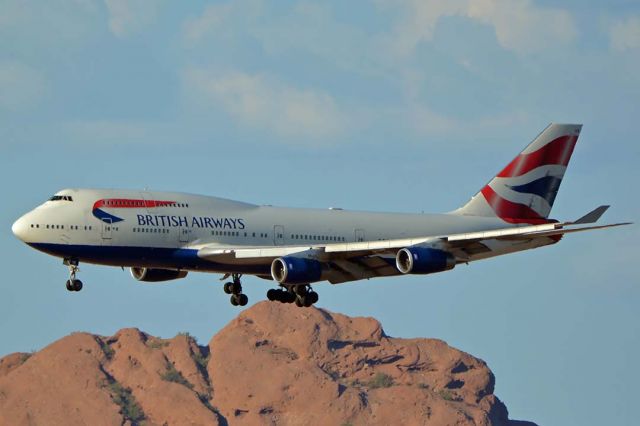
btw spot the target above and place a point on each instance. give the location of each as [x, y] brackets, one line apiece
[150, 275]
[295, 270]
[424, 260]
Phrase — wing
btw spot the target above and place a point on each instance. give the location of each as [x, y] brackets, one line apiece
[369, 259]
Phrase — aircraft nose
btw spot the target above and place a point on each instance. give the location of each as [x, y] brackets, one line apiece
[19, 228]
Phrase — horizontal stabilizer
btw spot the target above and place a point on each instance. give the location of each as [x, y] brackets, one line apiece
[592, 216]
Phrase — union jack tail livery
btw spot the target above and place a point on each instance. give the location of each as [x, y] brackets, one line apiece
[524, 191]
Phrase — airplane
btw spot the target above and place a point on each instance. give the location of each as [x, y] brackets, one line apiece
[163, 236]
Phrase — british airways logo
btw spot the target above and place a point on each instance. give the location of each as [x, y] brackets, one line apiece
[123, 203]
[167, 221]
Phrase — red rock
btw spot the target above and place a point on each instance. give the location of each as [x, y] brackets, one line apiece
[273, 364]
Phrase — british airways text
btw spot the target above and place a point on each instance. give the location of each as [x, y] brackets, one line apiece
[194, 222]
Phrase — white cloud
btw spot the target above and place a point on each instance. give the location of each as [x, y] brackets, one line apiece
[223, 16]
[21, 86]
[263, 103]
[130, 16]
[625, 34]
[418, 21]
[519, 25]
[213, 17]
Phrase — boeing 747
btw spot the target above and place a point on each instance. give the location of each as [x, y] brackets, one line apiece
[163, 236]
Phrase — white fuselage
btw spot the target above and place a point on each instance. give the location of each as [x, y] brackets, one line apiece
[166, 229]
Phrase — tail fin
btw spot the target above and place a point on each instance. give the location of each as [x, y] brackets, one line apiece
[524, 191]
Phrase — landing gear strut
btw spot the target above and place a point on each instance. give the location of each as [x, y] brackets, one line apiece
[301, 295]
[73, 284]
[234, 288]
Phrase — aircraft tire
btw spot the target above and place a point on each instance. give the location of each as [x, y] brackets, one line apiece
[313, 297]
[299, 302]
[69, 285]
[227, 287]
[235, 288]
[272, 294]
[243, 299]
[234, 300]
[77, 285]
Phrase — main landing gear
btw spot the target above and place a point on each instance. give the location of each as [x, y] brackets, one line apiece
[301, 295]
[73, 284]
[234, 288]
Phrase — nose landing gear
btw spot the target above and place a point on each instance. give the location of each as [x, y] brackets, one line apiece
[234, 288]
[73, 284]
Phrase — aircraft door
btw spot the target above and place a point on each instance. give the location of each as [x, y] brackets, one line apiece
[278, 235]
[106, 232]
[359, 234]
[184, 234]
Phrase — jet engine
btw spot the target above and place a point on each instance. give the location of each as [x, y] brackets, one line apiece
[424, 260]
[295, 270]
[152, 275]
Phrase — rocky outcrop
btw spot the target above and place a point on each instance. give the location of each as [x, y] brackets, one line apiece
[273, 364]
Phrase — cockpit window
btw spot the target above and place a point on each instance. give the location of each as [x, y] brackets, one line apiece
[61, 198]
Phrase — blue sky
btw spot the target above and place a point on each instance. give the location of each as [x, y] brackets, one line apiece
[386, 105]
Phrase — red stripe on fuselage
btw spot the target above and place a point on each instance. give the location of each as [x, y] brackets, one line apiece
[556, 152]
[511, 212]
[127, 203]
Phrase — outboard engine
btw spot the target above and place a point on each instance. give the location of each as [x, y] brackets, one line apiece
[424, 260]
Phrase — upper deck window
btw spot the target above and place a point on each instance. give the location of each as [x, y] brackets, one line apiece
[61, 198]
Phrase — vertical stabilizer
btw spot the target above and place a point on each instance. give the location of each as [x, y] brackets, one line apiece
[524, 191]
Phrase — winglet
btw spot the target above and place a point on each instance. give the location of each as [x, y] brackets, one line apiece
[592, 216]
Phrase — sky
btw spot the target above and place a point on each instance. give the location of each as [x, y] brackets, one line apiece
[383, 105]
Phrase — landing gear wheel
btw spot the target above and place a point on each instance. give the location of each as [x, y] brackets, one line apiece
[283, 296]
[234, 288]
[272, 294]
[313, 297]
[242, 299]
[299, 302]
[307, 301]
[72, 283]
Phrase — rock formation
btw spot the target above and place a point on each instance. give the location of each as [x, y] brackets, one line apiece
[273, 364]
